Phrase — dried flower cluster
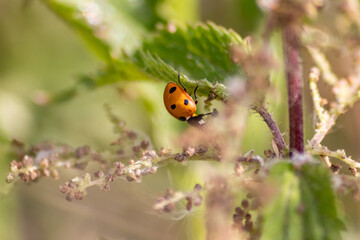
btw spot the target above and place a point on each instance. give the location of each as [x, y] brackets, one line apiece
[44, 160]
[76, 187]
[167, 202]
[200, 151]
[27, 171]
[243, 219]
[346, 92]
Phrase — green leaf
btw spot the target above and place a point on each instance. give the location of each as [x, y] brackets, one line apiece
[281, 217]
[73, 17]
[158, 69]
[145, 13]
[320, 216]
[117, 71]
[202, 51]
[106, 27]
[304, 206]
[248, 15]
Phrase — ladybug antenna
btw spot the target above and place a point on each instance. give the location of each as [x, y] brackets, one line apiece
[180, 81]
[196, 101]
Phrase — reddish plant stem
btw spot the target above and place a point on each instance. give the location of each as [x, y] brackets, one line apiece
[294, 85]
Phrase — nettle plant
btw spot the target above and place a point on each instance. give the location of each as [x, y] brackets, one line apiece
[294, 190]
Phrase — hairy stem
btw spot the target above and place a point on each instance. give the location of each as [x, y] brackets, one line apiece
[339, 154]
[294, 85]
[321, 132]
[268, 119]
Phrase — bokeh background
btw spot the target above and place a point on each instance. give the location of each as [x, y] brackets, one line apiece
[40, 55]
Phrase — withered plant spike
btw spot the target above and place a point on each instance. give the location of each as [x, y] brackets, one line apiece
[293, 69]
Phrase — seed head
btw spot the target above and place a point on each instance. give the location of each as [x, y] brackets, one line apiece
[119, 165]
[179, 157]
[82, 151]
[237, 218]
[63, 188]
[202, 149]
[136, 149]
[131, 134]
[33, 175]
[105, 187]
[189, 151]
[10, 177]
[249, 226]
[28, 161]
[70, 196]
[197, 187]
[189, 203]
[25, 177]
[98, 174]
[44, 163]
[79, 195]
[144, 144]
[46, 172]
[119, 171]
[197, 201]
[240, 212]
[153, 170]
[245, 203]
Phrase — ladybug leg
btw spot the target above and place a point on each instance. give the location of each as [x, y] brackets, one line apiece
[214, 113]
[180, 82]
[196, 101]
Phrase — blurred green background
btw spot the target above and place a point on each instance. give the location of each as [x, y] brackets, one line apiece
[40, 54]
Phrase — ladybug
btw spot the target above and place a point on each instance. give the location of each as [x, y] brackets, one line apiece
[181, 105]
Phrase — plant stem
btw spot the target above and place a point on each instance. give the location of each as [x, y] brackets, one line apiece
[294, 84]
[268, 119]
[339, 154]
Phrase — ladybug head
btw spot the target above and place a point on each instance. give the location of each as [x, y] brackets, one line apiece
[196, 121]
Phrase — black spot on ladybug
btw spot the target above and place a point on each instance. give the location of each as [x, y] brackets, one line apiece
[173, 106]
[182, 118]
[186, 102]
[172, 89]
